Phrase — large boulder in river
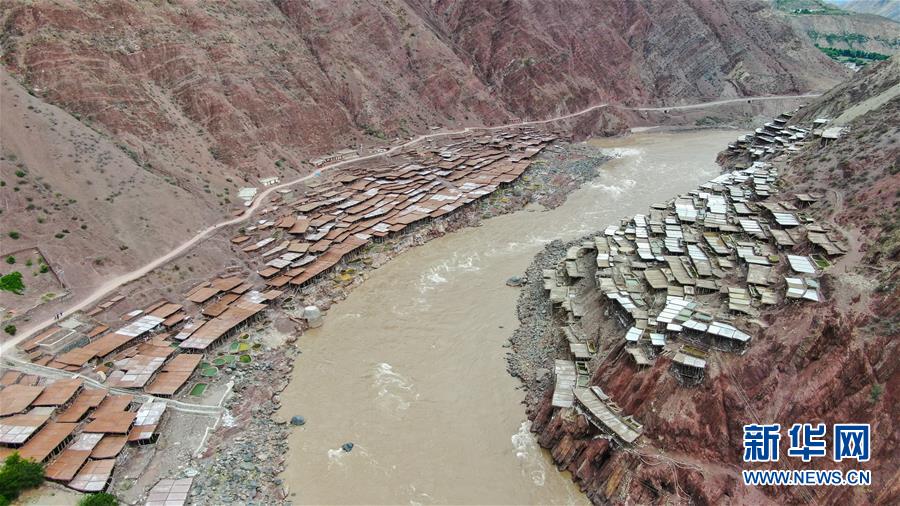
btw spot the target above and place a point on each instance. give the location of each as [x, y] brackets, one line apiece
[313, 316]
[515, 281]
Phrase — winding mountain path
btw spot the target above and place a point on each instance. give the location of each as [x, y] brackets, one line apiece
[118, 281]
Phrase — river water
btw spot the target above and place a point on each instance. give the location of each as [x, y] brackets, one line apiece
[411, 366]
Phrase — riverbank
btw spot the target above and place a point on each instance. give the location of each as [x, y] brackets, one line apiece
[243, 458]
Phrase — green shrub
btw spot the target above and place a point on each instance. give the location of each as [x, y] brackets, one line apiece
[101, 499]
[18, 474]
[12, 282]
[875, 393]
[13, 235]
[10, 260]
[10, 329]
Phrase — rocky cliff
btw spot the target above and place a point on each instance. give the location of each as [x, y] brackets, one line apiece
[830, 362]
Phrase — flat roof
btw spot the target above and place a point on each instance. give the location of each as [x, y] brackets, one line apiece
[174, 374]
[48, 439]
[66, 466]
[226, 284]
[77, 357]
[202, 295]
[16, 398]
[59, 392]
[113, 404]
[94, 476]
[109, 447]
[169, 492]
[220, 325]
[18, 428]
[112, 423]
[75, 412]
[604, 415]
[108, 343]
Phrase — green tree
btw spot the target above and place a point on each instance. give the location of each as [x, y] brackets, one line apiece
[12, 282]
[10, 260]
[10, 329]
[18, 474]
[101, 499]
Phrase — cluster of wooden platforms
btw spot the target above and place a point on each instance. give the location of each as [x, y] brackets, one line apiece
[301, 240]
[690, 276]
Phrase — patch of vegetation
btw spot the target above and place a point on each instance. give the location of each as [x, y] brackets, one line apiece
[708, 121]
[20, 173]
[101, 499]
[13, 234]
[18, 474]
[854, 55]
[12, 283]
[374, 132]
[876, 392]
[10, 329]
[10, 260]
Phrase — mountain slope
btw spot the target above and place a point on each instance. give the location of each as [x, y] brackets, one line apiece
[886, 8]
[830, 26]
[242, 84]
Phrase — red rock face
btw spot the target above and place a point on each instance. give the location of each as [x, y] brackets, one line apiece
[542, 57]
[251, 82]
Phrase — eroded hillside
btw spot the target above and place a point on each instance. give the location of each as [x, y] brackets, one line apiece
[243, 84]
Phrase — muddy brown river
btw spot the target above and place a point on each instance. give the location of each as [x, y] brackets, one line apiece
[411, 366]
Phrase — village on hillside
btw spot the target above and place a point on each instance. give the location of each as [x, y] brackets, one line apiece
[97, 390]
[691, 276]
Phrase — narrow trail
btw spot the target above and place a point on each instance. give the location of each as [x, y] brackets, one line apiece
[118, 281]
